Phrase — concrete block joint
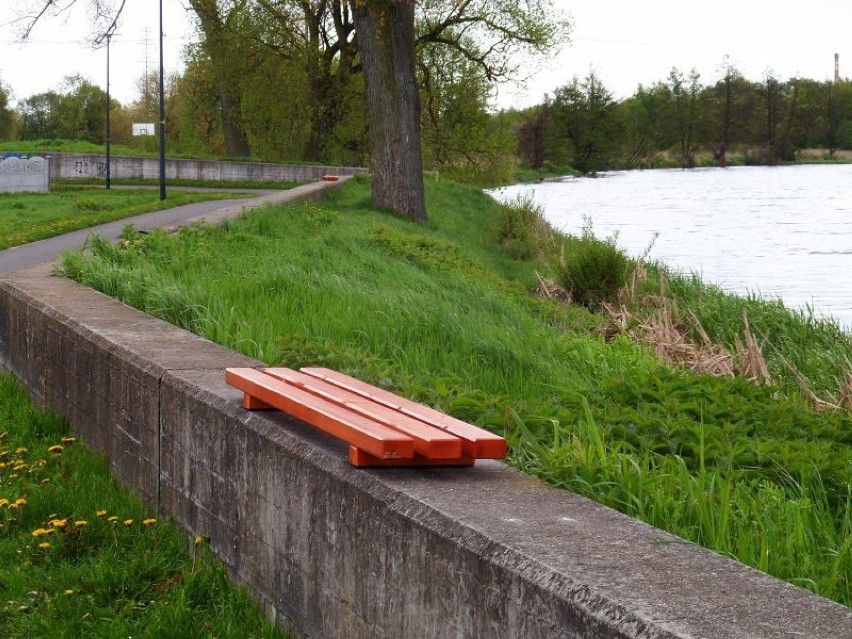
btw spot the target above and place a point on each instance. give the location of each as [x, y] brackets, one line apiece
[338, 552]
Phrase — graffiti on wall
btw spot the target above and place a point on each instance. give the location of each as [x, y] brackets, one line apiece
[85, 168]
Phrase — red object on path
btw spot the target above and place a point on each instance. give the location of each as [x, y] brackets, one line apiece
[381, 428]
[330, 178]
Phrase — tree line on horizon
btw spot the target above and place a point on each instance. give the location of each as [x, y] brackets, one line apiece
[679, 121]
[283, 81]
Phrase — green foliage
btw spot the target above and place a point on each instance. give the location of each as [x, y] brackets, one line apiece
[78, 112]
[521, 229]
[437, 312]
[82, 557]
[592, 271]
[584, 116]
[680, 122]
[460, 140]
[8, 117]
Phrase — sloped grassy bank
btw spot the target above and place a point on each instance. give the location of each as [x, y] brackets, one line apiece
[439, 313]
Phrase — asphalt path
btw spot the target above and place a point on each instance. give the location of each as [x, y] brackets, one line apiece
[212, 211]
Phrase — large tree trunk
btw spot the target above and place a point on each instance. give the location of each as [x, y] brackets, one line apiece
[219, 47]
[236, 138]
[386, 39]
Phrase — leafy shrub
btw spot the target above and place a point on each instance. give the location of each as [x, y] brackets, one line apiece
[593, 271]
[522, 231]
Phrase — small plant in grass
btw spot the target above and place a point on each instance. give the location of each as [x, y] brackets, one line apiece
[521, 230]
[593, 271]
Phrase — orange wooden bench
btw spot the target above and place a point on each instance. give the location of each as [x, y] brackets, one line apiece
[382, 429]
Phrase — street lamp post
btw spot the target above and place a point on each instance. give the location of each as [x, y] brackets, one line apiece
[108, 109]
[162, 116]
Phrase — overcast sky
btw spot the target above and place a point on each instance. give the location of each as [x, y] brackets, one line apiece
[626, 42]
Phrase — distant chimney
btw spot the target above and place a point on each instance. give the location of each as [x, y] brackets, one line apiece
[836, 67]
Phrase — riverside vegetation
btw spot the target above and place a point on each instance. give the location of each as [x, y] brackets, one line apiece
[83, 558]
[724, 420]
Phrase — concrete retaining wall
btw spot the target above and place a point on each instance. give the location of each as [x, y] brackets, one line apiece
[345, 553]
[70, 166]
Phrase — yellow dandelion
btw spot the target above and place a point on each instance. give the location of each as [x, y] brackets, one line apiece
[149, 522]
[4, 502]
[80, 523]
[20, 501]
[20, 450]
[44, 545]
[101, 513]
[56, 448]
[113, 518]
[199, 540]
[40, 532]
[59, 523]
[128, 522]
[69, 592]
[69, 440]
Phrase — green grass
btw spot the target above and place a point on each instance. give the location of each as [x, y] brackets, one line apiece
[34, 147]
[104, 573]
[27, 217]
[438, 313]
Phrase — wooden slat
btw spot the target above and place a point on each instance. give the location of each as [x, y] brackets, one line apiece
[478, 442]
[429, 441]
[367, 435]
[363, 459]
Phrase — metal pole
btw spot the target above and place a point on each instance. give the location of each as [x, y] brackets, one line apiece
[162, 116]
[108, 38]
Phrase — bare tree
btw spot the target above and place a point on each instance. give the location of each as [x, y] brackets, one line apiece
[104, 13]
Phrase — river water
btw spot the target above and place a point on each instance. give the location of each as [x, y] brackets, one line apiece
[779, 232]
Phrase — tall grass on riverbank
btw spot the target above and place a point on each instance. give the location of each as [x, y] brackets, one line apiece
[437, 312]
[80, 557]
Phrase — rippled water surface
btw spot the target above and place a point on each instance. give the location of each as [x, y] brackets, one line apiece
[778, 231]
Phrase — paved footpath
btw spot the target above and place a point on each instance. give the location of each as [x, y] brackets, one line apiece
[213, 212]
